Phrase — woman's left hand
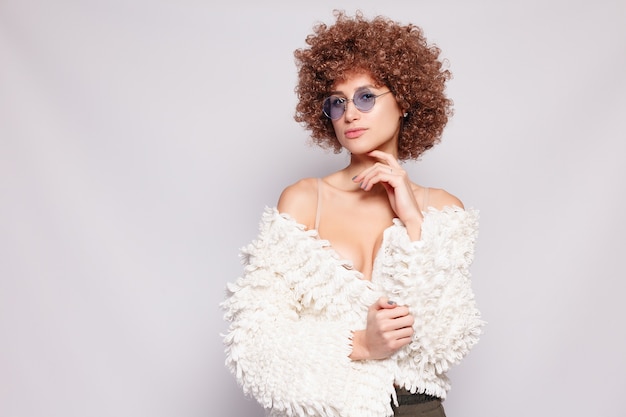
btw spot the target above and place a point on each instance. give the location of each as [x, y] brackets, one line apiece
[389, 173]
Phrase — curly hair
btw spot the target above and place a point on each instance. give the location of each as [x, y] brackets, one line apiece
[397, 56]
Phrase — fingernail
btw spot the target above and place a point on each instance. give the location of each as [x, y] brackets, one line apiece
[354, 177]
[391, 303]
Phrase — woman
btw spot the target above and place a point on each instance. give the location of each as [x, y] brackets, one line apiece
[356, 298]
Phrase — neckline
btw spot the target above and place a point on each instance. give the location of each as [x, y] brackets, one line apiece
[346, 262]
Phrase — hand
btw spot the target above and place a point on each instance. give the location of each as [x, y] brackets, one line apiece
[390, 174]
[388, 328]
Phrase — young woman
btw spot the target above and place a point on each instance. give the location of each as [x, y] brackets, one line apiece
[356, 299]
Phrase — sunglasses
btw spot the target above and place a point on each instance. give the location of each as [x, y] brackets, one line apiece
[335, 106]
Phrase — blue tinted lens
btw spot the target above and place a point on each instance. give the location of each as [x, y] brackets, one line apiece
[334, 106]
[364, 100]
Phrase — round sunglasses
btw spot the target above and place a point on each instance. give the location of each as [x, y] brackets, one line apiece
[335, 106]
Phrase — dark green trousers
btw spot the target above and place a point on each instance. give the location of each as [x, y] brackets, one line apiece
[429, 409]
[432, 408]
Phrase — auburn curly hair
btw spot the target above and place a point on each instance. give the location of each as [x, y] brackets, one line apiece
[397, 56]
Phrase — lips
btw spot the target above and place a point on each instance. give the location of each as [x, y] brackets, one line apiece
[354, 133]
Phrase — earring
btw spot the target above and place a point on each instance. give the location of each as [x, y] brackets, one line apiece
[406, 114]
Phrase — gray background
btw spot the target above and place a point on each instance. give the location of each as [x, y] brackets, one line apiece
[140, 141]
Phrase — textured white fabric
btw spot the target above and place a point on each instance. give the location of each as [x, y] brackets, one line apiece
[293, 311]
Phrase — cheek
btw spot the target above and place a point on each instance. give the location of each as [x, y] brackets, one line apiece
[336, 127]
[391, 112]
[392, 120]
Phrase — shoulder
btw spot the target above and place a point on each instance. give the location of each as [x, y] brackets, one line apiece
[299, 200]
[439, 198]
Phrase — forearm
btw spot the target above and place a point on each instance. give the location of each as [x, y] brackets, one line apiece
[414, 228]
[432, 277]
[359, 349]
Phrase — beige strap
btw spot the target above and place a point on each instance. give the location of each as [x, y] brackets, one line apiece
[425, 202]
[319, 203]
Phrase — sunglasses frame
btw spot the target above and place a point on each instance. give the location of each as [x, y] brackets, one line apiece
[347, 100]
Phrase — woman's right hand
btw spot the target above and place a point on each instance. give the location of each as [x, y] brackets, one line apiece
[389, 327]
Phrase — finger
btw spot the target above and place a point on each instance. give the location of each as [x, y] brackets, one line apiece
[401, 332]
[386, 170]
[404, 322]
[398, 338]
[379, 173]
[387, 158]
[387, 320]
[394, 313]
[404, 336]
[386, 303]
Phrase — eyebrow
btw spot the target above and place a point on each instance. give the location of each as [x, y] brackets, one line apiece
[357, 89]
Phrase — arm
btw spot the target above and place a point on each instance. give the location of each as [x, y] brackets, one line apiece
[289, 336]
[388, 326]
[432, 277]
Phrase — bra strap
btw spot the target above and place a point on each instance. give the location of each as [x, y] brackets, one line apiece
[319, 204]
[425, 202]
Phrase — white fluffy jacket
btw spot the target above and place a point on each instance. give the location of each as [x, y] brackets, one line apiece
[293, 311]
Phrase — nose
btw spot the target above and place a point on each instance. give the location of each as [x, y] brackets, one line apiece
[351, 112]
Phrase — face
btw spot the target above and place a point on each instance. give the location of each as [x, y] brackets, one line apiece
[362, 131]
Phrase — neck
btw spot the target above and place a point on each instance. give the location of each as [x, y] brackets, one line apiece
[360, 162]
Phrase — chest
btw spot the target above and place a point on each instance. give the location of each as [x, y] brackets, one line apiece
[355, 231]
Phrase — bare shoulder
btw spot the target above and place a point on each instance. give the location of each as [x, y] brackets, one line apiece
[299, 200]
[439, 198]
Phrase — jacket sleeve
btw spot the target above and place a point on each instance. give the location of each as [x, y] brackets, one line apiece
[432, 277]
[294, 363]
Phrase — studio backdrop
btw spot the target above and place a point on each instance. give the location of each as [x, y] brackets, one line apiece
[141, 140]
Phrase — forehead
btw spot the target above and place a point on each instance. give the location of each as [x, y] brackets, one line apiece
[355, 80]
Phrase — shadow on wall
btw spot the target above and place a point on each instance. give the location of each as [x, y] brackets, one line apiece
[234, 400]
